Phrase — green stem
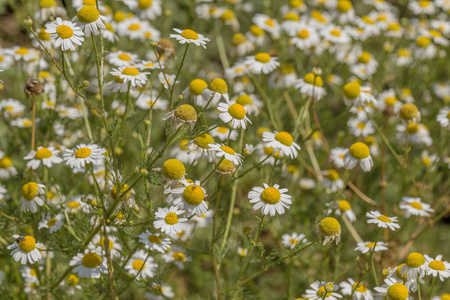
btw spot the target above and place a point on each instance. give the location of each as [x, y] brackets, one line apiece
[432, 287]
[178, 73]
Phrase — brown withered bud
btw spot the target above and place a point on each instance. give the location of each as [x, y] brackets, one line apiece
[33, 87]
[165, 49]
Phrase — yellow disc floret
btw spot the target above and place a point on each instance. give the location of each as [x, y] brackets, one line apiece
[189, 34]
[262, 57]
[397, 291]
[271, 195]
[83, 152]
[359, 150]
[144, 4]
[193, 194]
[415, 260]
[437, 265]
[384, 219]
[197, 86]
[72, 280]
[329, 226]
[130, 71]
[51, 222]
[88, 14]
[138, 264]
[204, 140]
[343, 205]
[285, 138]
[228, 150]
[171, 218]
[173, 169]
[64, 31]
[313, 79]
[237, 111]
[218, 85]
[352, 90]
[408, 111]
[30, 190]
[27, 243]
[154, 239]
[43, 153]
[91, 260]
[47, 3]
[244, 99]
[186, 113]
[344, 5]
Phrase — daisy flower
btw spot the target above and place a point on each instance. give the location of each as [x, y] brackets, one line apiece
[154, 241]
[262, 63]
[190, 197]
[90, 263]
[328, 230]
[150, 100]
[149, 9]
[189, 36]
[305, 38]
[291, 240]
[216, 89]
[52, 223]
[437, 267]
[414, 206]
[234, 113]
[425, 48]
[410, 283]
[160, 289]
[241, 44]
[227, 152]
[282, 141]
[271, 199]
[337, 156]
[25, 249]
[250, 102]
[177, 256]
[223, 133]
[443, 117]
[422, 7]
[365, 247]
[358, 153]
[360, 127]
[343, 207]
[109, 34]
[195, 90]
[30, 196]
[167, 80]
[83, 154]
[90, 20]
[142, 265]
[322, 290]
[166, 219]
[173, 172]
[393, 289]
[65, 34]
[311, 86]
[204, 220]
[360, 293]
[12, 108]
[131, 75]
[331, 181]
[382, 221]
[242, 252]
[115, 249]
[122, 58]
[415, 265]
[6, 168]
[46, 156]
[268, 24]
[335, 35]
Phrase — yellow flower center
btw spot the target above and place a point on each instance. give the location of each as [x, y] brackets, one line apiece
[91, 260]
[179, 256]
[109, 27]
[83, 152]
[154, 239]
[295, 3]
[204, 140]
[359, 150]
[73, 204]
[423, 41]
[173, 169]
[329, 226]
[293, 241]
[364, 58]
[352, 90]
[426, 161]
[318, 16]
[193, 194]
[29, 191]
[271, 195]
[424, 3]
[124, 56]
[393, 27]
[437, 265]
[238, 39]
[64, 31]
[291, 16]
[51, 222]
[138, 264]
[244, 100]
[143, 4]
[102, 241]
[408, 111]
[197, 86]
[397, 291]
[88, 14]
[119, 16]
[285, 138]
[189, 34]
[72, 280]
[368, 20]
[33, 272]
[313, 79]
[445, 296]
[90, 2]
[43, 35]
[134, 27]
[22, 51]
[263, 57]
[323, 293]
[343, 205]
[335, 32]
[118, 79]
[390, 100]
[130, 71]
[47, 3]
[27, 243]
[370, 245]
[228, 15]
[412, 128]
[416, 205]
[184, 144]
[287, 69]
[43, 153]
[171, 218]
[226, 166]
[361, 125]
[415, 260]
[344, 5]
[303, 34]
[270, 22]
[435, 33]
[236, 111]
[361, 288]
[228, 150]
[186, 112]
[384, 219]
[256, 31]
[5, 163]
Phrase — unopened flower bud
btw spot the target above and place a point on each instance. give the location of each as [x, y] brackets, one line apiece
[28, 21]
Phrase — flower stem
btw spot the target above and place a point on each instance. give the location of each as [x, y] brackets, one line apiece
[178, 73]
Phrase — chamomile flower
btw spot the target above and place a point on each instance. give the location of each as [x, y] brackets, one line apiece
[233, 113]
[160, 289]
[110, 34]
[443, 117]
[311, 86]
[337, 156]
[262, 63]
[227, 152]
[393, 289]
[335, 35]
[130, 75]
[83, 154]
[12, 108]
[358, 153]
[223, 133]
[242, 252]
[190, 197]
[268, 24]
[25, 249]
[216, 89]
[30, 196]
[415, 265]
[437, 267]
[291, 240]
[281, 141]
[382, 221]
[7, 169]
[425, 48]
[65, 34]
[177, 256]
[305, 38]
[195, 90]
[250, 102]
[241, 44]
[189, 36]
[114, 248]
[90, 20]
[328, 230]
[360, 293]
[90, 263]
[332, 181]
[154, 241]
[365, 247]
[360, 127]
[149, 9]
[122, 58]
[173, 171]
[46, 156]
[150, 100]
[415, 207]
[167, 80]
[422, 7]
[270, 199]
[142, 265]
[167, 220]
[343, 207]
[322, 290]
[53, 223]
